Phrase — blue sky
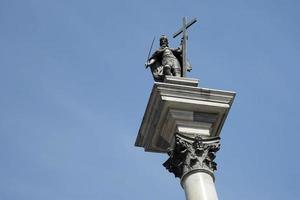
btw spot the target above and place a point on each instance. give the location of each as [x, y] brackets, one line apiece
[74, 90]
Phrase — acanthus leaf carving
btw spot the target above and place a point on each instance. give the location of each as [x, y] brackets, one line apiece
[191, 154]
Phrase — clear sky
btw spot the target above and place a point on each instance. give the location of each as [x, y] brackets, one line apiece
[74, 90]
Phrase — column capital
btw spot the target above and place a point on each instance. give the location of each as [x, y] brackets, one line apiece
[189, 155]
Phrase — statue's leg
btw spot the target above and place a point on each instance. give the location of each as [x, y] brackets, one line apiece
[167, 70]
[176, 71]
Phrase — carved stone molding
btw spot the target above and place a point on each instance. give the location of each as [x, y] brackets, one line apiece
[179, 106]
[192, 154]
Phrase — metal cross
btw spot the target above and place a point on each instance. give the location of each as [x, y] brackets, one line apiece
[183, 30]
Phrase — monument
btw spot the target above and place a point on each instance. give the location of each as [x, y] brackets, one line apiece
[184, 120]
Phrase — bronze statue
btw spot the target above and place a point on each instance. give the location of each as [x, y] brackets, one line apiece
[165, 60]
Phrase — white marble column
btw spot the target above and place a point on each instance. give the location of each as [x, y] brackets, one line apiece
[199, 186]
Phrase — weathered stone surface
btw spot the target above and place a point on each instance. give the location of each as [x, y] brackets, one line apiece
[181, 81]
[178, 106]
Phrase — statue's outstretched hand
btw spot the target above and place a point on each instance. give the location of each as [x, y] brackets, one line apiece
[149, 62]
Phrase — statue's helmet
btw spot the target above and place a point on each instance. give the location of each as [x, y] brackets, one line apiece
[163, 41]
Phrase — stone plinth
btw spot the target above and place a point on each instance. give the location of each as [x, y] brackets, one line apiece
[179, 106]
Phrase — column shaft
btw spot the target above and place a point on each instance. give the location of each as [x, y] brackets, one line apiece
[199, 186]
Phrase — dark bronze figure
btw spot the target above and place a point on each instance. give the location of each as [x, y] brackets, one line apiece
[165, 60]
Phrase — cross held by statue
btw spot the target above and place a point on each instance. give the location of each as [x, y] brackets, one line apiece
[183, 30]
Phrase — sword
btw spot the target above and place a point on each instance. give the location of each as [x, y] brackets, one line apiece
[146, 64]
